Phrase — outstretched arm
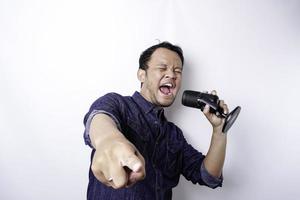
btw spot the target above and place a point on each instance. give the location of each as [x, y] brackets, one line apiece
[116, 162]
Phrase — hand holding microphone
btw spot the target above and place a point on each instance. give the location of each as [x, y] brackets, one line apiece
[199, 100]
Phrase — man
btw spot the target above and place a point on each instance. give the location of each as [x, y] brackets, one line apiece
[137, 154]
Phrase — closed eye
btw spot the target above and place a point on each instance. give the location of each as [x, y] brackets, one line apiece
[178, 71]
[162, 66]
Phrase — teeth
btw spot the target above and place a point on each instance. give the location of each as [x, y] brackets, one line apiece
[168, 84]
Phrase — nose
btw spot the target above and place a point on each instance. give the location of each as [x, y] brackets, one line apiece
[170, 74]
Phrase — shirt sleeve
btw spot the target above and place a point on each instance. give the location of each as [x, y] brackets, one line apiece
[110, 104]
[210, 180]
[193, 168]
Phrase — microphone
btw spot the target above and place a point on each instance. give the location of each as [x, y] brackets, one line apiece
[198, 100]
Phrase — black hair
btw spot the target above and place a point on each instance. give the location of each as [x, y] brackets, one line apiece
[146, 55]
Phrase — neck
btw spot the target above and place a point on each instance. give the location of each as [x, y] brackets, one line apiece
[147, 97]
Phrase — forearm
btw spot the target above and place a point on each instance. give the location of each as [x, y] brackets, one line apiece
[103, 129]
[114, 155]
[215, 156]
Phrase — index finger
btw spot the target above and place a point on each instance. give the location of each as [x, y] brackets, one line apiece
[224, 106]
[132, 162]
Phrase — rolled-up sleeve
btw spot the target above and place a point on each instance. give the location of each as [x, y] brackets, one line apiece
[210, 180]
[109, 104]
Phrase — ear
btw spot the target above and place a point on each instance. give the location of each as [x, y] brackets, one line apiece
[141, 75]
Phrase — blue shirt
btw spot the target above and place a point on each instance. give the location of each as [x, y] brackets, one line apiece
[166, 152]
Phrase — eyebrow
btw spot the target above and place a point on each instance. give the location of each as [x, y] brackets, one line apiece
[164, 64]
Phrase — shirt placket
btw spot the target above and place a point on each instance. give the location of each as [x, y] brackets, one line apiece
[158, 181]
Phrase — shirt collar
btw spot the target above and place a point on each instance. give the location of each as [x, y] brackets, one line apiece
[147, 106]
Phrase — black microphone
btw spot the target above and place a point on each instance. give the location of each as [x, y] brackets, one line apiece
[199, 100]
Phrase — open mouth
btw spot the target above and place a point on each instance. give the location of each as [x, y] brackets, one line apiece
[166, 88]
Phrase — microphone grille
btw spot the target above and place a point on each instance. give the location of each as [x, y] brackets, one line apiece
[190, 98]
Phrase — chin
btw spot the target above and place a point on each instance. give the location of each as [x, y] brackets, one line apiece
[166, 103]
[164, 100]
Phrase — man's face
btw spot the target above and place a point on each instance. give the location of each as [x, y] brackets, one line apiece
[162, 80]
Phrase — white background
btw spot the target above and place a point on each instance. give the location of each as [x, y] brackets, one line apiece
[58, 56]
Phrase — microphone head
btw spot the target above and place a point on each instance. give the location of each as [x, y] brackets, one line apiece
[190, 99]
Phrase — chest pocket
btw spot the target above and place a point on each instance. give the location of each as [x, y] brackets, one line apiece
[174, 159]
